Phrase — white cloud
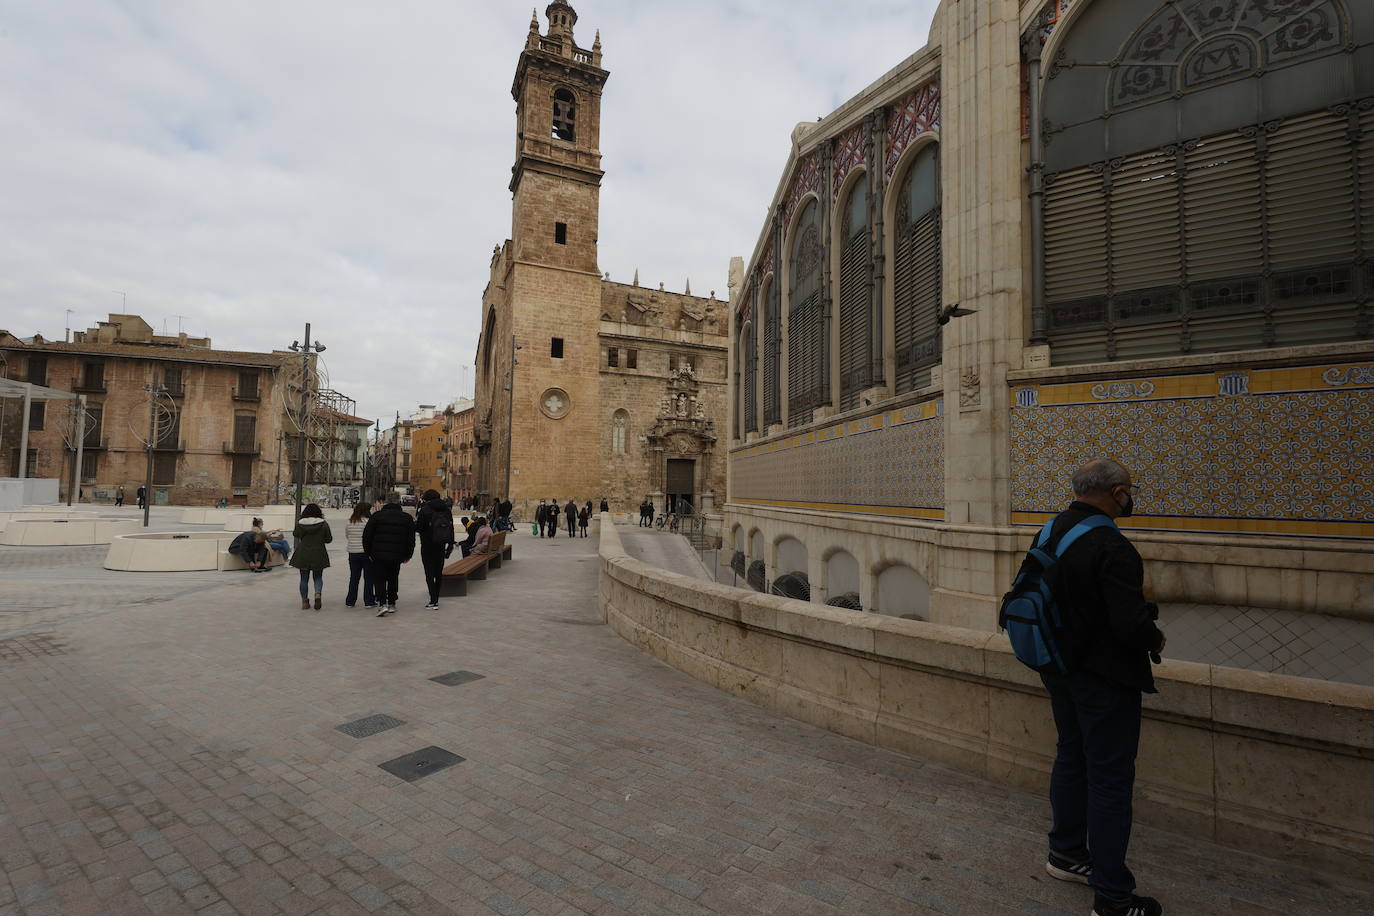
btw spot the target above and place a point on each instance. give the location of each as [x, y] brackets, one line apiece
[252, 166]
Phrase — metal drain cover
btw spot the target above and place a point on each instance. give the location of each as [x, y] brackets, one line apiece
[421, 763]
[455, 678]
[369, 725]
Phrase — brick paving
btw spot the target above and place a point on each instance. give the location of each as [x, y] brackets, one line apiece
[170, 745]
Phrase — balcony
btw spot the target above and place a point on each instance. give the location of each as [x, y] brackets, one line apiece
[178, 392]
[174, 446]
[248, 394]
[96, 444]
[242, 448]
[88, 384]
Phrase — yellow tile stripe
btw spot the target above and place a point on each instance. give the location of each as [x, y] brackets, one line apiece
[935, 515]
[1332, 377]
[1226, 525]
[915, 413]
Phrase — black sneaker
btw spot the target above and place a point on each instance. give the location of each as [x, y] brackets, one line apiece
[1136, 906]
[1068, 870]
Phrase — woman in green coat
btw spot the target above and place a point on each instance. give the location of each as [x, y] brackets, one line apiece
[311, 533]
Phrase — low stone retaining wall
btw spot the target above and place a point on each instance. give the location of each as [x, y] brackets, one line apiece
[158, 552]
[1268, 763]
[55, 531]
[271, 518]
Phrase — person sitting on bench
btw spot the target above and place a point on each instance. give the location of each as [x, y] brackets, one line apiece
[482, 541]
[251, 548]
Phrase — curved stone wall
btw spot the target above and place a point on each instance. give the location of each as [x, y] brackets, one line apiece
[271, 518]
[1268, 763]
[77, 531]
[158, 552]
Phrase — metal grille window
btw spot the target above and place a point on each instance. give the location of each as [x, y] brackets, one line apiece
[94, 418]
[772, 352]
[750, 360]
[245, 432]
[38, 411]
[165, 469]
[805, 338]
[168, 430]
[1208, 183]
[171, 379]
[38, 370]
[241, 471]
[90, 466]
[917, 276]
[856, 295]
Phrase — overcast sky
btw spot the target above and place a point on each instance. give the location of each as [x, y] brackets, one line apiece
[250, 166]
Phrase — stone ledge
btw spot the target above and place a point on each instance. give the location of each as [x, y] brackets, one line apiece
[1268, 763]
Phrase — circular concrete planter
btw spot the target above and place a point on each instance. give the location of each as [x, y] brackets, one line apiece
[189, 552]
[203, 516]
[271, 518]
[77, 531]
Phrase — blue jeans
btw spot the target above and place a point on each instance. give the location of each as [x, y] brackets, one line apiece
[1094, 776]
[282, 547]
[359, 566]
[305, 579]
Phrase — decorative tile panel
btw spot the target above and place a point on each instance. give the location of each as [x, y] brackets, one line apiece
[918, 113]
[1263, 451]
[849, 154]
[805, 180]
[890, 463]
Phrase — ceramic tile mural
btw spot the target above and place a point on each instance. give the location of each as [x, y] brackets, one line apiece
[888, 464]
[1266, 451]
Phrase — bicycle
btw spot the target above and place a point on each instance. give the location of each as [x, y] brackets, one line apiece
[668, 520]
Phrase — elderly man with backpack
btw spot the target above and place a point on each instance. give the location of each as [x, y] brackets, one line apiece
[434, 529]
[1077, 614]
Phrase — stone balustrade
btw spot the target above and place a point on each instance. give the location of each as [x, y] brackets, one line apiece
[1268, 763]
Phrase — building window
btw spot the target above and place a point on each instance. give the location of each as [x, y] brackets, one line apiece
[38, 370]
[564, 116]
[94, 416]
[165, 469]
[560, 233]
[806, 350]
[747, 359]
[672, 362]
[90, 465]
[93, 375]
[168, 430]
[171, 380]
[612, 357]
[30, 469]
[245, 432]
[241, 472]
[556, 348]
[855, 323]
[248, 386]
[771, 307]
[631, 359]
[38, 410]
[619, 422]
[917, 277]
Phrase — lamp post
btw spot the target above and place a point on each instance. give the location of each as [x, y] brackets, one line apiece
[304, 350]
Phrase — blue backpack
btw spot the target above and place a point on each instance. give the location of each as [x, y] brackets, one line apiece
[1040, 635]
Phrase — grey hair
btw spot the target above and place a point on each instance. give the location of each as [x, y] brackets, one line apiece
[1098, 476]
[393, 499]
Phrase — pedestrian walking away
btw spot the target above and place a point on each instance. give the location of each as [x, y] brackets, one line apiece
[584, 518]
[434, 529]
[142, 496]
[389, 542]
[540, 517]
[359, 566]
[1092, 636]
[311, 556]
[551, 518]
[570, 514]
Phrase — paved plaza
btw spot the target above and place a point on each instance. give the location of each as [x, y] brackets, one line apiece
[171, 744]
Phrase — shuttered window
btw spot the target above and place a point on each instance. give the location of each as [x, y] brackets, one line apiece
[750, 359]
[805, 338]
[1246, 239]
[856, 311]
[916, 273]
[772, 353]
[241, 471]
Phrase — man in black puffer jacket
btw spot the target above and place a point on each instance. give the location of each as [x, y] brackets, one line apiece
[434, 528]
[389, 541]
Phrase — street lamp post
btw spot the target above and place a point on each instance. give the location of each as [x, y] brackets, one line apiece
[304, 351]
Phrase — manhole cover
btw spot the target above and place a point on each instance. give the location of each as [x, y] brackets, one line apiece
[369, 725]
[455, 678]
[421, 763]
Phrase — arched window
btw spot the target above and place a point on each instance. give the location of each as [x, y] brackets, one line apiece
[771, 310]
[856, 297]
[1207, 178]
[487, 342]
[620, 420]
[806, 345]
[916, 272]
[749, 391]
[564, 116]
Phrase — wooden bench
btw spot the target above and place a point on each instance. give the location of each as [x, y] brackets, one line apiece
[456, 575]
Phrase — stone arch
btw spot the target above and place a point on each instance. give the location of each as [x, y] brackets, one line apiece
[900, 591]
[907, 356]
[756, 544]
[768, 344]
[841, 573]
[804, 348]
[620, 425]
[792, 556]
[488, 340]
[564, 121]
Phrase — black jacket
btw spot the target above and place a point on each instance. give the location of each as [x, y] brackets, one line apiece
[570, 512]
[1098, 584]
[540, 513]
[552, 513]
[389, 535]
[424, 522]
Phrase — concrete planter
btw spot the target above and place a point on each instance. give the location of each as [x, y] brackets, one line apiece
[194, 551]
[74, 531]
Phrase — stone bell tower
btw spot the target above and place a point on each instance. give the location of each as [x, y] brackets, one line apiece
[545, 295]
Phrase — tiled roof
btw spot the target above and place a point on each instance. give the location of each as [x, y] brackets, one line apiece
[146, 351]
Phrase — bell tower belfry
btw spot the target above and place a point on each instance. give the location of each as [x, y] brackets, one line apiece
[556, 179]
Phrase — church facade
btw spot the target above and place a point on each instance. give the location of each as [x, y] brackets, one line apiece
[1061, 230]
[587, 389]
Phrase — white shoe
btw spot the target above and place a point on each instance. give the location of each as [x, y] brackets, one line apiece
[382, 610]
[432, 606]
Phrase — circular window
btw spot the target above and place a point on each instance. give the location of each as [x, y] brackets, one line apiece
[555, 403]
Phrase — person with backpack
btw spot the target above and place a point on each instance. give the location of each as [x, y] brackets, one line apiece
[434, 529]
[389, 542]
[311, 556]
[1077, 614]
